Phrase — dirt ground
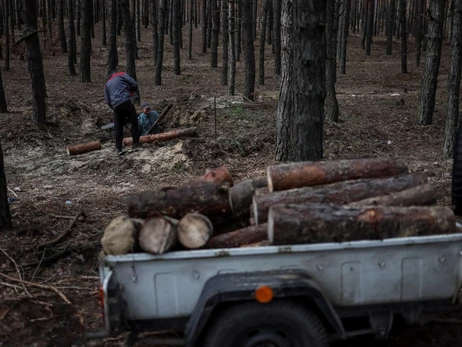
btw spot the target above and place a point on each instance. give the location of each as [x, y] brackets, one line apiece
[378, 118]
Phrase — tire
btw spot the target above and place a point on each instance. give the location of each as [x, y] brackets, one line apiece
[456, 188]
[276, 324]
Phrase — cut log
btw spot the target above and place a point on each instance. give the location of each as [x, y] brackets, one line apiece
[163, 136]
[239, 238]
[203, 197]
[338, 193]
[83, 148]
[423, 195]
[194, 230]
[312, 223]
[304, 174]
[218, 175]
[240, 196]
[120, 236]
[157, 236]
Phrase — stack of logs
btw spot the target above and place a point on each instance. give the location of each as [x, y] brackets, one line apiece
[296, 203]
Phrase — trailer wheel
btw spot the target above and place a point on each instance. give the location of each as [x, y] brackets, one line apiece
[276, 324]
[456, 189]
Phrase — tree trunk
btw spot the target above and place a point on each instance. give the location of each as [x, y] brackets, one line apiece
[194, 230]
[128, 141]
[160, 55]
[452, 117]
[249, 51]
[85, 42]
[304, 174]
[224, 70]
[241, 195]
[422, 195]
[104, 40]
[5, 216]
[402, 20]
[300, 113]
[215, 13]
[83, 148]
[62, 32]
[130, 41]
[432, 62]
[332, 111]
[79, 15]
[190, 37]
[113, 55]
[158, 235]
[232, 49]
[238, 238]
[3, 106]
[7, 35]
[336, 193]
[137, 21]
[370, 25]
[72, 40]
[34, 61]
[176, 26]
[49, 19]
[203, 197]
[155, 30]
[277, 35]
[239, 31]
[418, 31]
[344, 29]
[391, 26]
[312, 223]
[261, 67]
[204, 26]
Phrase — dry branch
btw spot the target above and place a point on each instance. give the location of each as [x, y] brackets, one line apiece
[66, 233]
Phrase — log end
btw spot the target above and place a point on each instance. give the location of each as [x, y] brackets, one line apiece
[194, 230]
[270, 226]
[269, 179]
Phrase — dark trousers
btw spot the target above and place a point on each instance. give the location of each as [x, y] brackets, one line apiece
[122, 112]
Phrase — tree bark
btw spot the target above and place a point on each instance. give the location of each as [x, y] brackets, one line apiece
[194, 230]
[300, 113]
[239, 238]
[303, 174]
[224, 70]
[344, 29]
[277, 32]
[240, 195]
[121, 236]
[204, 26]
[5, 215]
[83, 148]
[429, 82]
[370, 25]
[128, 141]
[335, 193]
[158, 235]
[160, 54]
[249, 51]
[313, 223]
[203, 197]
[113, 55]
[130, 40]
[72, 55]
[85, 42]
[34, 61]
[215, 13]
[232, 49]
[418, 31]
[155, 30]
[402, 20]
[391, 26]
[62, 32]
[452, 117]
[3, 106]
[103, 19]
[332, 111]
[190, 36]
[7, 35]
[422, 195]
[261, 67]
[176, 26]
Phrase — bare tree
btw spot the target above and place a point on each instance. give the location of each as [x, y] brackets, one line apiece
[72, 56]
[277, 36]
[300, 113]
[7, 35]
[103, 15]
[34, 61]
[85, 42]
[370, 25]
[232, 48]
[224, 71]
[402, 21]
[261, 67]
[191, 11]
[391, 26]
[155, 30]
[176, 26]
[62, 32]
[432, 62]
[5, 215]
[332, 111]
[204, 26]
[130, 40]
[163, 13]
[249, 51]
[113, 55]
[454, 81]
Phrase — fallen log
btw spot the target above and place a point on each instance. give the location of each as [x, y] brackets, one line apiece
[217, 175]
[120, 236]
[304, 174]
[157, 235]
[194, 230]
[239, 238]
[202, 197]
[312, 223]
[338, 193]
[83, 148]
[240, 196]
[163, 136]
[423, 195]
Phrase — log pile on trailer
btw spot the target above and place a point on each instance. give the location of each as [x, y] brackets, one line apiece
[295, 203]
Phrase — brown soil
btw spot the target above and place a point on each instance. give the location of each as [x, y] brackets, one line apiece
[378, 118]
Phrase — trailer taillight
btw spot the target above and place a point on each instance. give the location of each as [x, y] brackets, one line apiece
[264, 294]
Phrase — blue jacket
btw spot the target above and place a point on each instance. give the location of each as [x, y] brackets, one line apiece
[119, 88]
[145, 121]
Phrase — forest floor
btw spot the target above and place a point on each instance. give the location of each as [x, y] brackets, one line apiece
[378, 118]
